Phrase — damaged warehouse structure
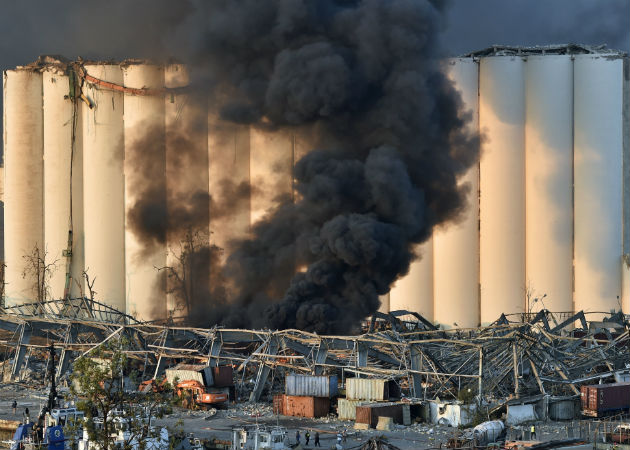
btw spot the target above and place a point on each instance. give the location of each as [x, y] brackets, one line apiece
[513, 359]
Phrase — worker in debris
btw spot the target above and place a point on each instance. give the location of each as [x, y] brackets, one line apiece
[14, 406]
[317, 439]
[345, 434]
[533, 431]
[27, 415]
[297, 437]
[307, 437]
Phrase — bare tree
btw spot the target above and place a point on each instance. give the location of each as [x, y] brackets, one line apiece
[3, 267]
[39, 269]
[188, 278]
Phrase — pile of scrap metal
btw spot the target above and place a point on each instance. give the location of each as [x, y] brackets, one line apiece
[516, 356]
[377, 443]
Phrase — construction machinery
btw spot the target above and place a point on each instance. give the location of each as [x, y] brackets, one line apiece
[196, 395]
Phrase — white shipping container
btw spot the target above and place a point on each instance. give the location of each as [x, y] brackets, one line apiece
[373, 389]
[347, 409]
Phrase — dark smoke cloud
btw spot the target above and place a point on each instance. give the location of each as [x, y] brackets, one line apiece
[367, 73]
[362, 78]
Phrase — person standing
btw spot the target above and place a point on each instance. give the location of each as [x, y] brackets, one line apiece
[27, 415]
[317, 439]
[307, 437]
[297, 437]
[533, 432]
[345, 435]
[14, 406]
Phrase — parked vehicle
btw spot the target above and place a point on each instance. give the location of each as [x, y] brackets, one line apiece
[196, 395]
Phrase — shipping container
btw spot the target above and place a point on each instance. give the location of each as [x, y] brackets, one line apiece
[309, 385]
[347, 409]
[371, 389]
[197, 372]
[370, 413]
[603, 399]
[301, 406]
[223, 376]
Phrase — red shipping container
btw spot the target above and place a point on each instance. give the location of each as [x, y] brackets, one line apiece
[299, 406]
[370, 413]
[278, 404]
[223, 376]
[601, 399]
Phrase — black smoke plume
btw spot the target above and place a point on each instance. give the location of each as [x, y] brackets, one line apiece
[391, 143]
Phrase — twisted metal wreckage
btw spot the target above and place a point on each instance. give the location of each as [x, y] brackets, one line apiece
[510, 358]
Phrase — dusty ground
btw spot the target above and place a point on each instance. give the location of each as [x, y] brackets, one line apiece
[219, 425]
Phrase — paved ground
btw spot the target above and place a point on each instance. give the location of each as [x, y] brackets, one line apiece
[219, 425]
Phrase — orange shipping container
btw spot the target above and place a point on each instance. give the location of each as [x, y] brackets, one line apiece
[299, 406]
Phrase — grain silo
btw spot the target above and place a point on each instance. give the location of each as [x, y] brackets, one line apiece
[63, 183]
[549, 181]
[23, 182]
[553, 204]
[600, 129]
[456, 247]
[186, 172]
[104, 185]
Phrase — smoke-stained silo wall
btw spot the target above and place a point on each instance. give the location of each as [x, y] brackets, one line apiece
[186, 174]
[145, 179]
[63, 162]
[549, 181]
[103, 189]
[229, 159]
[625, 289]
[502, 186]
[271, 162]
[456, 246]
[598, 165]
[414, 291]
[23, 183]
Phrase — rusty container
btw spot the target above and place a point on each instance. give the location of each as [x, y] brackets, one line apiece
[301, 406]
[278, 404]
[604, 399]
[223, 376]
[369, 414]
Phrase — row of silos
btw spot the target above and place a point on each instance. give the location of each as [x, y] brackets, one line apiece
[546, 208]
[546, 218]
[80, 165]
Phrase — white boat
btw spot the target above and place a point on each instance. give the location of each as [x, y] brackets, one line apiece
[260, 438]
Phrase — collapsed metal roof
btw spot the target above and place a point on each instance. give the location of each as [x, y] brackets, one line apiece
[558, 49]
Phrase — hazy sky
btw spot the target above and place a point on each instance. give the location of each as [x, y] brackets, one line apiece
[125, 28]
[475, 24]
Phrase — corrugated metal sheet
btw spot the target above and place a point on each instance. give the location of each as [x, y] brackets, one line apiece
[347, 409]
[310, 385]
[301, 406]
[370, 413]
[372, 389]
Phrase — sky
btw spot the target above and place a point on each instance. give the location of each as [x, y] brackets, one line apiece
[138, 28]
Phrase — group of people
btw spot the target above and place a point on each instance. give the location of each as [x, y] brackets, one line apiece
[26, 416]
[307, 438]
[341, 437]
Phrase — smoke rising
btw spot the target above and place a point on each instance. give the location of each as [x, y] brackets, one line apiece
[362, 78]
[392, 141]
